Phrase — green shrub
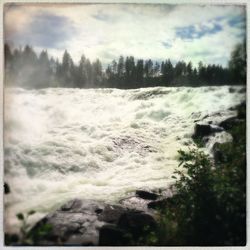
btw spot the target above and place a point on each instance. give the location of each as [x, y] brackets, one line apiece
[26, 236]
[209, 207]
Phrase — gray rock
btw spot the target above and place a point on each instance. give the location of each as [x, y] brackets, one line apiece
[202, 130]
[82, 206]
[218, 154]
[89, 223]
[75, 223]
[230, 123]
[111, 235]
[135, 203]
[111, 213]
[158, 204]
[146, 195]
[137, 223]
[79, 239]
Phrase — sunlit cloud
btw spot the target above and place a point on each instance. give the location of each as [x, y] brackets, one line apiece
[178, 32]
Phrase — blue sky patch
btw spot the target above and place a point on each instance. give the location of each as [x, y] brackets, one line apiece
[191, 32]
[237, 21]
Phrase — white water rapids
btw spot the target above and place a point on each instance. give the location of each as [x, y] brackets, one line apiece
[98, 144]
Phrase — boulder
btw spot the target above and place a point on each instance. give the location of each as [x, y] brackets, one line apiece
[158, 204]
[146, 195]
[202, 130]
[230, 123]
[78, 239]
[134, 203]
[231, 90]
[111, 235]
[6, 188]
[75, 223]
[137, 223]
[111, 213]
[218, 153]
[89, 223]
[78, 206]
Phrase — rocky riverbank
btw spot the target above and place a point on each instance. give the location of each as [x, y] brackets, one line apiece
[93, 223]
[96, 223]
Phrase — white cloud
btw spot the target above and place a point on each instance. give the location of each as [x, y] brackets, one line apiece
[103, 31]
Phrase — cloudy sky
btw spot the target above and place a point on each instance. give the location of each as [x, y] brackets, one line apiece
[105, 31]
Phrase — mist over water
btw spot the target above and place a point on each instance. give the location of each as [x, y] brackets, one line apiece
[99, 144]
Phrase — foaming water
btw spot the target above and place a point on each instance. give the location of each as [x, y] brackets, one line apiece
[99, 143]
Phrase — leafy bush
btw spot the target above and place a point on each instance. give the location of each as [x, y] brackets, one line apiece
[209, 207]
[26, 236]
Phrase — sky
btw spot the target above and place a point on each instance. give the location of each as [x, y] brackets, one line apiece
[206, 33]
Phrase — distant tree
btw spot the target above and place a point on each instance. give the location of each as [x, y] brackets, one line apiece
[7, 54]
[114, 77]
[114, 67]
[180, 69]
[89, 71]
[8, 65]
[121, 67]
[52, 65]
[156, 69]
[237, 63]
[148, 68]
[25, 69]
[97, 73]
[66, 70]
[190, 69]
[43, 72]
[81, 73]
[29, 56]
[201, 73]
[129, 72]
[139, 72]
[167, 71]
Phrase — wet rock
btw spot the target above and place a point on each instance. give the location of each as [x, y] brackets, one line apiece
[218, 154]
[73, 204]
[243, 90]
[75, 223]
[158, 204]
[111, 235]
[232, 90]
[135, 202]
[202, 130]
[146, 195]
[6, 188]
[112, 213]
[127, 143]
[89, 223]
[137, 223]
[78, 239]
[98, 210]
[230, 123]
[77, 206]
[65, 224]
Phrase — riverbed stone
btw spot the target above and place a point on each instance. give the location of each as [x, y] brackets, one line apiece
[146, 195]
[112, 213]
[230, 123]
[89, 223]
[137, 223]
[205, 130]
[111, 235]
[158, 204]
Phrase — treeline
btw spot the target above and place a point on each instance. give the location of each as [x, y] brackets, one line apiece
[24, 68]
